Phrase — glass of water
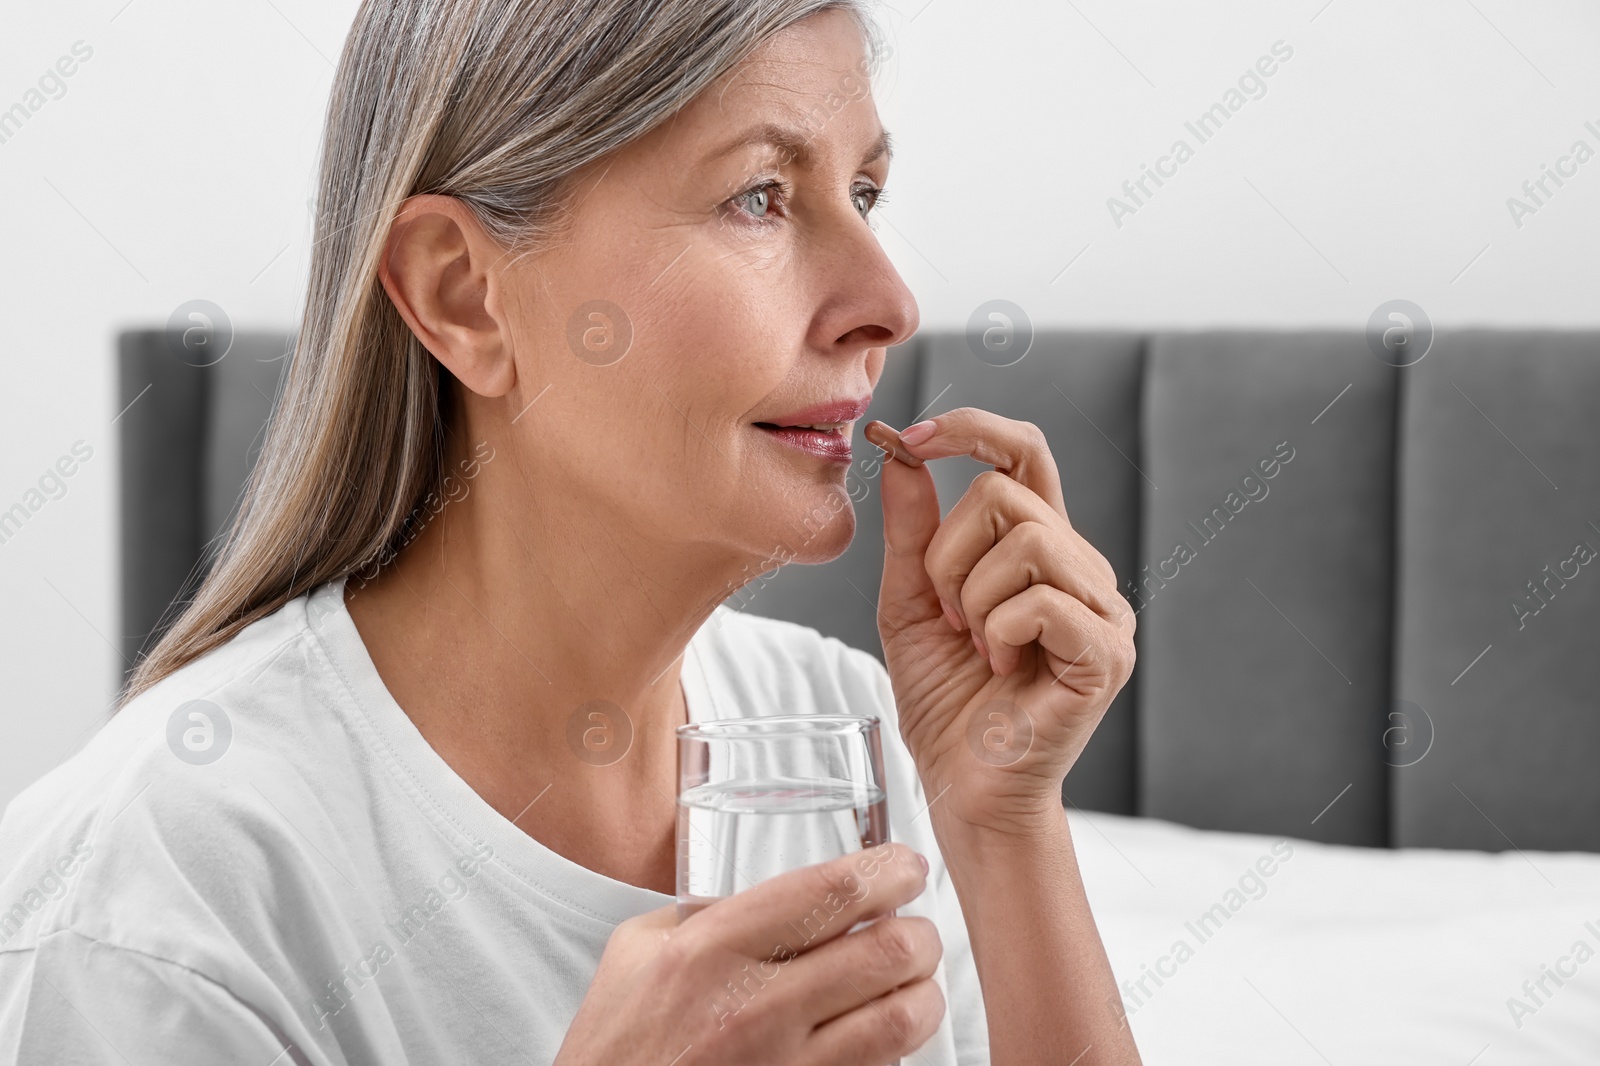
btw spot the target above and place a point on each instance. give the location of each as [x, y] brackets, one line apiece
[760, 796]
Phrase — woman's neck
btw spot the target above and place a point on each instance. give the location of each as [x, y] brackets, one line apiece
[538, 648]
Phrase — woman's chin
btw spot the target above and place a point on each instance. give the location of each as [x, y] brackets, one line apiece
[816, 528]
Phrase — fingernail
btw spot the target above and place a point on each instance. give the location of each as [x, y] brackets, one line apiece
[950, 615]
[923, 859]
[921, 431]
[977, 642]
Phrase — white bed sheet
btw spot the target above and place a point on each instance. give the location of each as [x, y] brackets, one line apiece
[1343, 955]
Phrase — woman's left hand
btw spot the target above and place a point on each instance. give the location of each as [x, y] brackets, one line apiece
[997, 702]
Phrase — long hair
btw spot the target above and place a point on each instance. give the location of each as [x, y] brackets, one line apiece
[497, 103]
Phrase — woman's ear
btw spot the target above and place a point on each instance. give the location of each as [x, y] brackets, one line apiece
[440, 269]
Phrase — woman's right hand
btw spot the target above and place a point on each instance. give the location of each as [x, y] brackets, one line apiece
[772, 974]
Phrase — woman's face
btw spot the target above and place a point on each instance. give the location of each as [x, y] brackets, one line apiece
[713, 281]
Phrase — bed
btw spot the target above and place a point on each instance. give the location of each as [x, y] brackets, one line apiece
[1347, 955]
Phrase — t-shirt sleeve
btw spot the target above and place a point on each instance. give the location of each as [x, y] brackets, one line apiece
[76, 1001]
[964, 996]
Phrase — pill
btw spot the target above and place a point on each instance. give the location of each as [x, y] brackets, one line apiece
[888, 440]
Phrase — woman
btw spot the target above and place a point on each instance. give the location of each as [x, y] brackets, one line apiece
[576, 269]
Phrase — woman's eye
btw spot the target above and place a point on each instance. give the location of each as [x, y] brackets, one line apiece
[871, 195]
[757, 201]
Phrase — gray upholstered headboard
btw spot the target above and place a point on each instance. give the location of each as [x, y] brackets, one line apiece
[1387, 641]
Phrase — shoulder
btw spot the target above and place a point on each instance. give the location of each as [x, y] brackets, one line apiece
[67, 979]
[759, 656]
[184, 795]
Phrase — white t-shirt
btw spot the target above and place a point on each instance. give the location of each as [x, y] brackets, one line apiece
[296, 876]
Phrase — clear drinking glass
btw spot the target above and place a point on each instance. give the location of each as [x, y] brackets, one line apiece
[760, 796]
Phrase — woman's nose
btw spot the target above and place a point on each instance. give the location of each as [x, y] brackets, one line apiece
[872, 301]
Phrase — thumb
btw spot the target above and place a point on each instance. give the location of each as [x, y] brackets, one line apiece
[910, 519]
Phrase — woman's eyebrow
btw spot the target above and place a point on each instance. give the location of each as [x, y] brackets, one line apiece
[795, 144]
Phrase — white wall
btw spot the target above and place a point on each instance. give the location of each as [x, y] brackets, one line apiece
[178, 164]
[1390, 141]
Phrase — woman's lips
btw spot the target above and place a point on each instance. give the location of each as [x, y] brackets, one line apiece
[833, 445]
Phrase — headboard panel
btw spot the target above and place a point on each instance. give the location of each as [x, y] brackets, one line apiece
[1083, 390]
[1500, 505]
[1267, 652]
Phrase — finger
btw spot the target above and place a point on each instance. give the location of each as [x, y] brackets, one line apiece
[633, 944]
[643, 934]
[1017, 449]
[1083, 651]
[881, 1030]
[879, 958]
[1032, 553]
[986, 516]
[910, 519]
[805, 908]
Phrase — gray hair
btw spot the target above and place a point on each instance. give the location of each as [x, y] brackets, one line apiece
[497, 103]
